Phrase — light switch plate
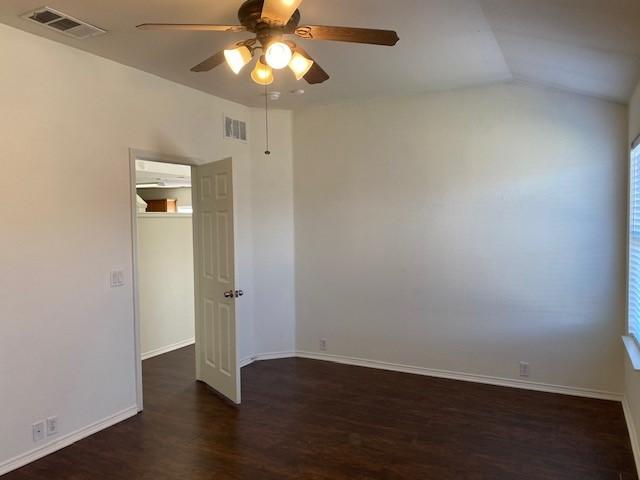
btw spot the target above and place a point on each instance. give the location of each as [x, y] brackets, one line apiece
[52, 426]
[117, 278]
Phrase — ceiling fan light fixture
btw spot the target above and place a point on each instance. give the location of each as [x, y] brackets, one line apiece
[300, 65]
[262, 74]
[278, 55]
[238, 58]
[270, 22]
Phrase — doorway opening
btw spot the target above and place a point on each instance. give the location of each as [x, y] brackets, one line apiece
[183, 240]
[165, 257]
[162, 227]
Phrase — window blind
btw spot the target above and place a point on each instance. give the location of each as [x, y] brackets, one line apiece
[634, 243]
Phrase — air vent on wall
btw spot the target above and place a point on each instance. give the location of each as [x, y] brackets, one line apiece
[235, 129]
[63, 23]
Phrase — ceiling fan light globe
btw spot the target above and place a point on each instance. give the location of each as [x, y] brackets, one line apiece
[237, 58]
[262, 74]
[300, 65]
[278, 55]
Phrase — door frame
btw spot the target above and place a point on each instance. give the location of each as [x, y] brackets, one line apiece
[138, 154]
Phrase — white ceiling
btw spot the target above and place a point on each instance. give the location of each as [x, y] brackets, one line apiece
[587, 46]
[168, 175]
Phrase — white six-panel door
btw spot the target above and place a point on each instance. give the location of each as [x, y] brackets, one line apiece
[215, 290]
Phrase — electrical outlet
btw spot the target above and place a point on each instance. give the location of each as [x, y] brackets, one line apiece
[52, 426]
[525, 369]
[323, 344]
[38, 431]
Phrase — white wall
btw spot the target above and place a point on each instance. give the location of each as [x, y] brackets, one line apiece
[165, 281]
[272, 193]
[68, 121]
[465, 231]
[632, 377]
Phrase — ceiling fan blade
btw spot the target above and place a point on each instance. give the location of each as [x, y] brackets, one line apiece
[210, 63]
[192, 27]
[348, 34]
[279, 11]
[316, 73]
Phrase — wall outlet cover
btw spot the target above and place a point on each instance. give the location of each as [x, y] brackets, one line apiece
[38, 431]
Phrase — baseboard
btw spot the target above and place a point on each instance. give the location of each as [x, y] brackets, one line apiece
[466, 377]
[66, 440]
[266, 356]
[168, 348]
[633, 433]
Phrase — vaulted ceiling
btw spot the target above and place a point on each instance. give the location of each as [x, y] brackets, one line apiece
[587, 46]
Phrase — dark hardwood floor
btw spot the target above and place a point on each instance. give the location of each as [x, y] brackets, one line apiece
[304, 419]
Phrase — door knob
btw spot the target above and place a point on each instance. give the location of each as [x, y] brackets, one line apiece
[239, 293]
[229, 294]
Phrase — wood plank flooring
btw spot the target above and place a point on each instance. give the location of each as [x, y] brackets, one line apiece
[304, 419]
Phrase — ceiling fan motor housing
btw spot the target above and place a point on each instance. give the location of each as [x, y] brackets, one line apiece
[250, 16]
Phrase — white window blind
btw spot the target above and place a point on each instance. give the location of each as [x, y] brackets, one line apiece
[634, 244]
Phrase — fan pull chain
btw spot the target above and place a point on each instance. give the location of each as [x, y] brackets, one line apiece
[266, 118]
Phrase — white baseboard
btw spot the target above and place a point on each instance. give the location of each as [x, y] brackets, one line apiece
[466, 377]
[168, 348]
[266, 356]
[65, 441]
[633, 433]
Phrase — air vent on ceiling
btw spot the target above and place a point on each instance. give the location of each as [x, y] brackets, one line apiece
[235, 129]
[63, 23]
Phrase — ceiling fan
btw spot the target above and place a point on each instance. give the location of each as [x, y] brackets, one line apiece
[271, 21]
